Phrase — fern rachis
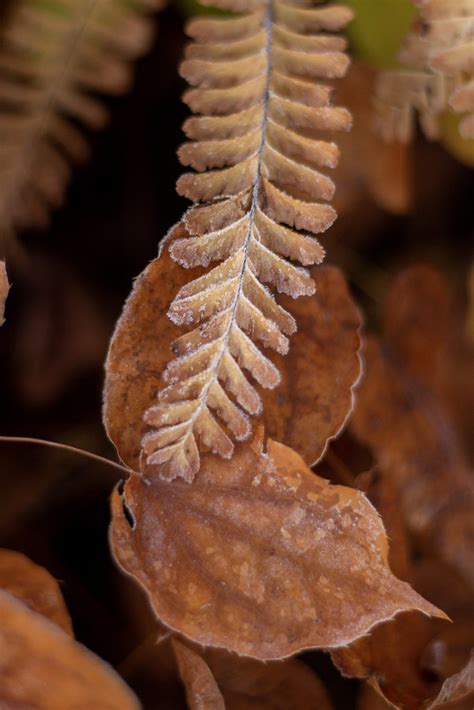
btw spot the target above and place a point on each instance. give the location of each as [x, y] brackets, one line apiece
[258, 150]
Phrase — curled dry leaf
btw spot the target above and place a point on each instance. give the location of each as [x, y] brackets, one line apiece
[4, 288]
[41, 667]
[228, 560]
[402, 416]
[202, 691]
[317, 375]
[390, 655]
[457, 692]
[34, 586]
[153, 671]
[423, 326]
[277, 685]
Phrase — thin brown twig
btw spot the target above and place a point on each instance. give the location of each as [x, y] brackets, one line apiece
[64, 447]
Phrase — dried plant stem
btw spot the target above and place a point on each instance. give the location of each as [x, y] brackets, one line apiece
[63, 447]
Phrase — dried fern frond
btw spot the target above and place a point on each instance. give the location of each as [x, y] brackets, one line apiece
[259, 146]
[439, 56]
[56, 56]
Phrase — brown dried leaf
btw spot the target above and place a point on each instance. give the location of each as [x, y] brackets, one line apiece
[41, 667]
[314, 398]
[4, 288]
[139, 351]
[390, 655]
[202, 691]
[415, 443]
[318, 375]
[296, 562]
[423, 326]
[278, 685]
[457, 692]
[418, 323]
[404, 415]
[34, 586]
[242, 682]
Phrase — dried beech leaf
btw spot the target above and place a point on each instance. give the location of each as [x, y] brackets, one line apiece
[271, 537]
[242, 682]
[4, 288]
[34, 586]
[202, 691]
[457, 692]
[277, 685]
[418, 323]
[315, 395]
[425, 330]
[405, 415]
[390, 655]
[260, 198]
[41, 667]
[140, 350]
[415, 443]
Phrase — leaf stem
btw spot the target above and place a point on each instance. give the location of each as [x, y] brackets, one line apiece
[64, 447]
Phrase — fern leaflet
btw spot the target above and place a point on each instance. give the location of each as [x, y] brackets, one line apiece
[439, 56]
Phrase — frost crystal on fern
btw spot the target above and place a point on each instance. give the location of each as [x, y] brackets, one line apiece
[439, 56]
[258, 147]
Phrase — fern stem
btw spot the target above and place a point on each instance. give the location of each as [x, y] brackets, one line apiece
[255, 193]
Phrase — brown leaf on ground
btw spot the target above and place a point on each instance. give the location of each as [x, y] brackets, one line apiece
[416, 444]
[152, 670]
[242, 683]
[296, 562]
[318, 375]
[390, 656]
[418, 322]
[41, 667]
[34, 586]
[277, 685]
[310, 406]
[202, 691]
[140, 349]
[457, 692]
[4, 288]
[423, 326]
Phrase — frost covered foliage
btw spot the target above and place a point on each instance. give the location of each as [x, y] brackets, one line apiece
[258, 147]
[439, 59]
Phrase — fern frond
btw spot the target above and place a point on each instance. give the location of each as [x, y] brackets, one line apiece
[55, 58]
[439, 56]
[260, 193]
